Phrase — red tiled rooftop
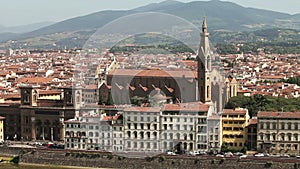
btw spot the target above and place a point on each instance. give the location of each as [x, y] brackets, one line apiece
[31, 80]
[265, 114]
[142, 109]
[154, 73]
[191, 107]
[234, 111]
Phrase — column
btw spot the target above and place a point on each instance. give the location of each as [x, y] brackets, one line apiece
[51, 133]
[33, 129]
[62, 132]
[43, 132]
[62, 126]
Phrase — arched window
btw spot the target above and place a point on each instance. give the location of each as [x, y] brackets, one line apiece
[135, 134]
[128, 134]
[178, 136]
[83, 134]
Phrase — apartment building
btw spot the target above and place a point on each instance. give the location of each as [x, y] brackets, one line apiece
[173, 127]
[278, 132]
[184, 126]
[214, 123]
[252, 134]
[94, 131]
[234, 122]
[141, 128]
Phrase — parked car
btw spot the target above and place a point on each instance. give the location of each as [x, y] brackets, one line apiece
[228, 154]
[284, 155]
[238, 154]
[242, 156]
[202, 153]
[194, 153]
[220, 155]
[171, 153]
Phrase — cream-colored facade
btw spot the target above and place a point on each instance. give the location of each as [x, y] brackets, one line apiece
[2, 129]
[234, 122]
[278, 132]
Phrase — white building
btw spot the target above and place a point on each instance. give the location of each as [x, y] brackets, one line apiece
[94, 131]
[141, 128]
[214, 132]
[184, 127]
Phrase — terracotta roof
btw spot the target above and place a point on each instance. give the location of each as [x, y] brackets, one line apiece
[264, 114]
[41, 92]
[31, 80]
[154, 73]
[234, 111]
[252, 121]
[142, 109]
[191, 107]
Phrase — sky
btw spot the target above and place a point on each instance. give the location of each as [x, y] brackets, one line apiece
[23, 12]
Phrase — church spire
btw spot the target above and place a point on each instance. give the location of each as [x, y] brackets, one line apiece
[204, 25]
[204, 66]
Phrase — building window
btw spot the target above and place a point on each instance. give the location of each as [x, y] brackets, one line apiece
[268, 125]
[135, 144]
[282, 137]
[165, 135]
[128, 144]
[289, 126]
[178, 126]
[274, 136]
[282, 126]
[268, 137]
[274, 126]
[261, 125]
[261, 136]
[295, 137]
[296, 126]
[155, 126]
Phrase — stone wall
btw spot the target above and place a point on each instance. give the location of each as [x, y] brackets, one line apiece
[107, 160]
[101, 160]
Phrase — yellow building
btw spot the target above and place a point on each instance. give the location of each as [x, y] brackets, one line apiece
[234, 122]
[1, 129]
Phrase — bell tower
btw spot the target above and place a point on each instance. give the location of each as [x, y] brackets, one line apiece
[204, 66]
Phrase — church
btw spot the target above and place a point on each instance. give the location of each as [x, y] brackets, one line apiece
[208, 84]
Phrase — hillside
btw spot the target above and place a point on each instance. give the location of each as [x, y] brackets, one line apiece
[225, 16]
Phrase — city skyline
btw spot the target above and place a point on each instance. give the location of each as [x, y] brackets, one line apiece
[15, 13]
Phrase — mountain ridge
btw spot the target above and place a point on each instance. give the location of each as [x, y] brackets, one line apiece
[220, 15]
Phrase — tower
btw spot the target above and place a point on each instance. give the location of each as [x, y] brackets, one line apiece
[29, 95]
[204, 66]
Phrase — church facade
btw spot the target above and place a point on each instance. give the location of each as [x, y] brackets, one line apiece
[208, 84]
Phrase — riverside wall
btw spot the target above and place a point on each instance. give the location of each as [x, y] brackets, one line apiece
[107, 160]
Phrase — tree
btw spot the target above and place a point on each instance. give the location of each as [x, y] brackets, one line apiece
[224, 147]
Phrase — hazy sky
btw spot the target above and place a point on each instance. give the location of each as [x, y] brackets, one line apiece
[20, 12]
